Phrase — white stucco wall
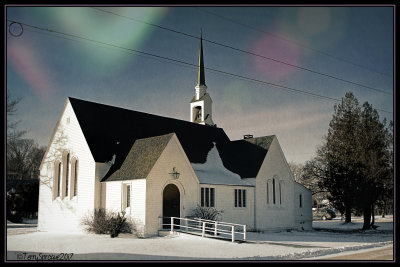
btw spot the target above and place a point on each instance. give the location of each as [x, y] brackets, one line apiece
[225, 202]
[113, 196]
[137, 211]
[303, 213]
[65, 214]
[159, 177]
[281, 214]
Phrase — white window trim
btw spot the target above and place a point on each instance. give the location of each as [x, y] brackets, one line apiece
[279, 192]
[124, 197]
[74, 178]
[66, 162]
[57, 179]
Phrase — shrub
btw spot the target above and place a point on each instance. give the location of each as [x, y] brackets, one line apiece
[116, 224]
[105, 222]
[206, 213]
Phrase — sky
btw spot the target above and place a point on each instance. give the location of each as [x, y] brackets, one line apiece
[270, 70]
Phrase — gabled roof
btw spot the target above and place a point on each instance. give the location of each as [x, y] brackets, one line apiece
[104, 126]
[113, 131]
[245, 156]
[140, 159]
[213, 171]
[263, 141]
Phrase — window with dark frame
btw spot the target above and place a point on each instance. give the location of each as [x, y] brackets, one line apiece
[273, 191]
[58, 178]
[207, 197]
[301, 201]
[66, 175]
[240, 198]
[212, 204]
[202, 197]
[128, 196]
[75, 177]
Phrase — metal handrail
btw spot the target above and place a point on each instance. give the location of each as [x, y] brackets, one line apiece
[203, 225]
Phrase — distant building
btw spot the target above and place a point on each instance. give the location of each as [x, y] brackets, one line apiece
[149, 166]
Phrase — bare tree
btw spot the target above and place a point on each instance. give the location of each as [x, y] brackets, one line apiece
[308, 175]
[53, 153]
[12, 132]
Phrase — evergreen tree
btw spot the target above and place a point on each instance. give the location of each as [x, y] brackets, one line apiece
[355, 163]
[374, 158]
[339, 155]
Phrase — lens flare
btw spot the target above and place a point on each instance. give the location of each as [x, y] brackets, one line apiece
[273, 48]
[120, 28]
[30, 67]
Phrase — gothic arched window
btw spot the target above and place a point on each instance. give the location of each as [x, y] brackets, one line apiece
[74, 177]
[57, 178]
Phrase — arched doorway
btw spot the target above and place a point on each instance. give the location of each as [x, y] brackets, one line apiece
[171, 204]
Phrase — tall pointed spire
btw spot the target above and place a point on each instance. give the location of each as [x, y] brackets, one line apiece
[201, 104]
[201, 80]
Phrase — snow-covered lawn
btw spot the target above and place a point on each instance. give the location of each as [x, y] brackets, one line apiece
[328, 237]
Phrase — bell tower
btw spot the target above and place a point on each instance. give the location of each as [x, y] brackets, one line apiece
[201, 104]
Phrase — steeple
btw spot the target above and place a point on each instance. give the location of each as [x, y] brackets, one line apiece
[201, 80]
[201, 104]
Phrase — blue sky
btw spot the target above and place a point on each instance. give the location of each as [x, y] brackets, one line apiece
[354, 44]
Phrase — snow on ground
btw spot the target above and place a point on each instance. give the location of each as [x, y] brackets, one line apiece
[331, 237]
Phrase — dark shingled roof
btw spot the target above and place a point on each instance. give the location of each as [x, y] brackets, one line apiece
[140, 159]
[263, 141]
[112, 131]
[245, 156]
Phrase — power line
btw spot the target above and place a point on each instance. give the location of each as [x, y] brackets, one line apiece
[103, 46]
[291, 41]
[186, 63]
[244, 51]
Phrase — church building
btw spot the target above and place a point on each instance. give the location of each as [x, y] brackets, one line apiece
[154, 167]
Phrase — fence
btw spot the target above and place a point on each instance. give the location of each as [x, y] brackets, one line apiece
[207, 228]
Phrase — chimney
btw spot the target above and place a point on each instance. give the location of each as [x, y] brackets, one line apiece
[247, 136]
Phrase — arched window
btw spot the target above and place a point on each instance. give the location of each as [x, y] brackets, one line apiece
[57, 178]
[197, 114]
[65, 177]
[74, 177]
[280, 193]
[273, 191]
[267, 192]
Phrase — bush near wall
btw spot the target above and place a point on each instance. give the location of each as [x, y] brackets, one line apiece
[102, 221]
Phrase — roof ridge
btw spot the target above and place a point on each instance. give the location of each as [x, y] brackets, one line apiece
[141, 112]
[140, 159]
